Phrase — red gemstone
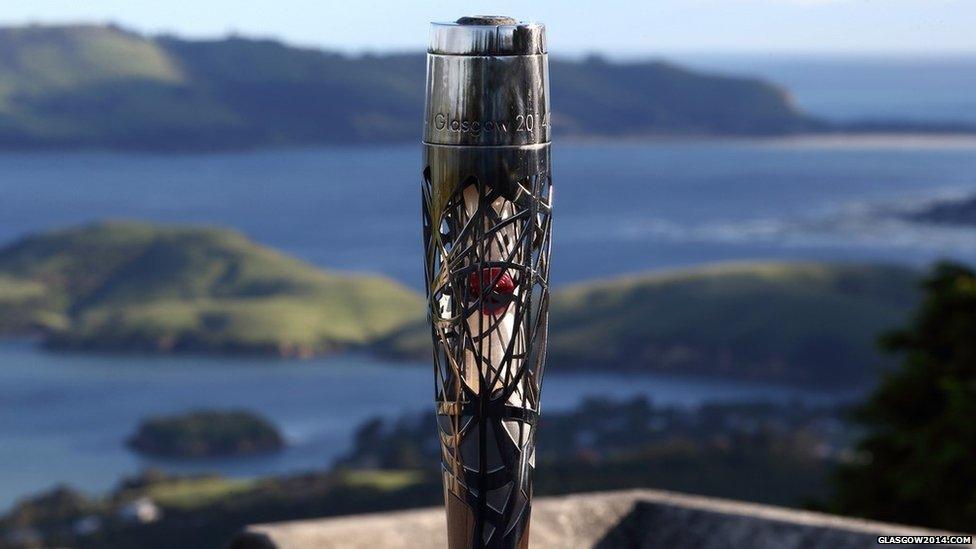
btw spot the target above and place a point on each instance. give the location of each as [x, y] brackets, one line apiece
[497, 299]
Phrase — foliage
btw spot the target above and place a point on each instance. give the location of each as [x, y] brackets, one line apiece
[599, 97]
[190, 493]
[760, 452]
[88, 85]
[206, 433]
[810, 323]
[773, 452]
[948, 212]
[918, 461]
[51, 507]
[134, 286]
[804, 323]
[390, 480]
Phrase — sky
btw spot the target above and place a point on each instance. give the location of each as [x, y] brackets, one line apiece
[574, 27]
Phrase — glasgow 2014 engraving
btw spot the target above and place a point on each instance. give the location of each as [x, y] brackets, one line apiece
[527, 122]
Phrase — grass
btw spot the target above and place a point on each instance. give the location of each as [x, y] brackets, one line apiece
[46, 70]
[102, 86]
[384, 480]
[41, 59]
[26, 306]
[138, 286]
[14, 290]
[809, 323]
[132, 286]
[801, 320]
[188, 494]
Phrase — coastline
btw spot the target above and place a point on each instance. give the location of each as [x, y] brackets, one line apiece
[868, 141]
[812, 140]
[843, 140]
[312, 402]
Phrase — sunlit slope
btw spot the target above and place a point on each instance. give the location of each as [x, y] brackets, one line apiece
[130, 286]
[596, 97]
[102, 86]
[807, 323]
[791, 321]
[99, 86]
[41, 59]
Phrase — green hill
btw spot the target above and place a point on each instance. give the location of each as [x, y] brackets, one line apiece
[98, 86]
[207, 433]
[101, 86]
[131, 286]
[793, 322]
[39, 60]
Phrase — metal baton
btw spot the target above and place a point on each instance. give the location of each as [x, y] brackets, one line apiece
[487, 197]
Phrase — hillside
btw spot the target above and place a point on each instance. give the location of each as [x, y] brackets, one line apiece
[131, 286]
[812, 324]
[779, 453]
[207, 433]
[960, 212]
[101, 86]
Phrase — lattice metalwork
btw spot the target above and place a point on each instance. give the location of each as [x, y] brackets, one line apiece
[487, 271]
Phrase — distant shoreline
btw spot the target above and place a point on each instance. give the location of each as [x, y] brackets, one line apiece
[119, 90]
[835, 141]
[247, 299]
[877, 141]
[882, 140]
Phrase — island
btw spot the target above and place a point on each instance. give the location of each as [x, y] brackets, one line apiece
[101, 86]
[811, 324]
[947, 212]
[207, 433]
[602, 444]
[137, 287]
[128, 286]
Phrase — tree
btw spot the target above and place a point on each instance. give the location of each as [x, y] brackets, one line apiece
[917, 461]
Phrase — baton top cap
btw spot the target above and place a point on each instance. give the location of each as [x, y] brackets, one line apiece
[494, 35]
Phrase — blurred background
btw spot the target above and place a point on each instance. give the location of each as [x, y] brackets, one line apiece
[210, 260]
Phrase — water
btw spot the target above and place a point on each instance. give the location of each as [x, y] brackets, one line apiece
[858, 87]
[64, 417]
[620, 207]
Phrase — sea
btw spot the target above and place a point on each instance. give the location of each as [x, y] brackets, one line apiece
[620, 207]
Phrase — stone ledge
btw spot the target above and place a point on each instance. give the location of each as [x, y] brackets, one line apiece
[633, 518]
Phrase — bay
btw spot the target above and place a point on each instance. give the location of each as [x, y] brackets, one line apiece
[621, 208]
[64, 418]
